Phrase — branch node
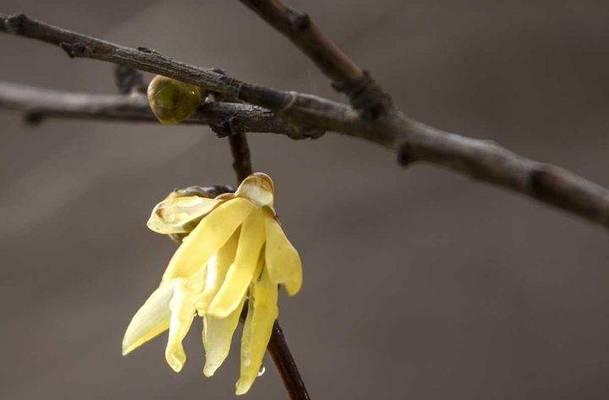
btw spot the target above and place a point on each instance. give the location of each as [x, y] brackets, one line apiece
[33, 118]
[406, 155]
[129, 80]
[308, 132]
[366, 96]
[77, 49]
[543, 182]
[226, 128]
[291, 101]
[298, 21]
[146, 50]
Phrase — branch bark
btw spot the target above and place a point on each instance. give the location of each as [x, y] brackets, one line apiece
[242, 163]
[39, 104]
[282, 357]
[364, 93]
[411, 140]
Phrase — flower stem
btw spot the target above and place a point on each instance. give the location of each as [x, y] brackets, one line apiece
[242, 164]
[282, 357]
[278, 346]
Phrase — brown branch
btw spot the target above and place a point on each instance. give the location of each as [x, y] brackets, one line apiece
[278, 346]
[242, 163]
[288, 370]
[39, 104]
[411, 140]
[365, 95]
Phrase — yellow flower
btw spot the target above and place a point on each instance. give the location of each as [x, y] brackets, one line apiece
[235, 251]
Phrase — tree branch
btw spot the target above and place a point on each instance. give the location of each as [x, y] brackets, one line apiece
[242, 163]
[39, 104]
[278, 346]
[411, 140]
[282, 357]
[364, 94]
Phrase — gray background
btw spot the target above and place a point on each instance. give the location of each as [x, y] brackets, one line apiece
[419, 283]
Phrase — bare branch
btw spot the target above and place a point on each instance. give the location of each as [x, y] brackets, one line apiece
[242, 163]
[282, 357]
[39, 104]
[481, 160]
[411, 140]
[365, 95]
[81, 46]
[278, 346]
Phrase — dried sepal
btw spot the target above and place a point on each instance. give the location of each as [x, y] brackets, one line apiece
[180, 214]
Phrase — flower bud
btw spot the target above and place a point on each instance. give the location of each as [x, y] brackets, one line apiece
[173, 101]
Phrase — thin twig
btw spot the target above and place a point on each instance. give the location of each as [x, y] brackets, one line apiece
[282, 357]
[411, 140]
[278, 346]
[242, 163]
[39, 104]
[364, 93]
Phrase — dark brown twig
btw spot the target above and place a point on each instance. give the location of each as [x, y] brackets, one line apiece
[282, 357]
[411, 140]
[39, 104]
[365, 95]
[242, 163]
[278, 346]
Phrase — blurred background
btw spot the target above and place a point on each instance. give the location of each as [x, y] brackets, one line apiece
[419, 283]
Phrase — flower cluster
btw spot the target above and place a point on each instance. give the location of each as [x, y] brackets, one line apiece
[234, 253]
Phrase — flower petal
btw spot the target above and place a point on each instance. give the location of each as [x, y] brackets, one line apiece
[207, 238]
[258, 188]
[261, 315]
[182, 313]
[282, 259]
[150, 320]
[217, 266]
[217, 338]
[241, 272]
[178, 214]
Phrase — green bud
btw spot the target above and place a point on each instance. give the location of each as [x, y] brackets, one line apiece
[173, 101]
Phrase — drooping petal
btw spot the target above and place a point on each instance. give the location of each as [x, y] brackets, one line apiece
[261, 315]
[217, 337]
[282, 259]
[240, 273]
[150, 320]
[207, 238]
[182, 313]
[178, 214]
[258, 188]
[217, 267]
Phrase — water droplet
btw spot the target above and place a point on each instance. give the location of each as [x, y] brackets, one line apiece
[261, 371]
